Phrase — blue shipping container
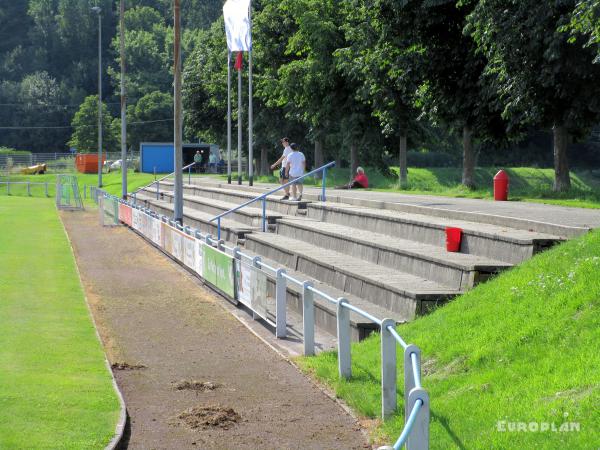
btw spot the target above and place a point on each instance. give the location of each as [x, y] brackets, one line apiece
[156, 157]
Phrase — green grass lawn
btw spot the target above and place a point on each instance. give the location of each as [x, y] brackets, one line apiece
[111, 183]
[523, 347]
[55, 390]
[526, 184]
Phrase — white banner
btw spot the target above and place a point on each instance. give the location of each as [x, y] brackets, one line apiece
[136, 215]
[199, 258]
[237, 25]
[189, 252]
[156, 228]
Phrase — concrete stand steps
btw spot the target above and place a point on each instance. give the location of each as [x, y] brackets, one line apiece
[231, 230]
[457, 270]
[325, 311]
[248, 215]
[237, 197]
[393, 290]
[491, 241]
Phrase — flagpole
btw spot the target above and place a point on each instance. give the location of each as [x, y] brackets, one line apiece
[228, 117]
[250, 112]
[239, 124]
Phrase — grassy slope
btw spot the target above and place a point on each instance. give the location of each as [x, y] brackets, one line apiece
[55, 390]
[526, 183]
[522, 347]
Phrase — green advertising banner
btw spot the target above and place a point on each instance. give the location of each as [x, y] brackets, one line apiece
[218, 270]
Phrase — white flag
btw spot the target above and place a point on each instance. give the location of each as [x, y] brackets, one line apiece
[237, 25]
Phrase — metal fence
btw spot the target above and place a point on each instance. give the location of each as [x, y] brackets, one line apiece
[23, 188]
[164, 233]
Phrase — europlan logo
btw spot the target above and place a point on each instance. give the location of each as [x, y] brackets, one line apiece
[508, 426]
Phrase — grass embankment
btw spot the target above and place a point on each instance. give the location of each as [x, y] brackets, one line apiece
[526, 184]
[55, 390]
[520, 348]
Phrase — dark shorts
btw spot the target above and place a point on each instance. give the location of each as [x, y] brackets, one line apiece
[282, 174]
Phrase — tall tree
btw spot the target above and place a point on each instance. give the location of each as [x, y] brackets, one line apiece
[543, 80]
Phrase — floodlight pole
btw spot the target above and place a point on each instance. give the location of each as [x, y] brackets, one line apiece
[250, 112]
[178, 114]
[239, 126]
[98, 11]
[123, 106]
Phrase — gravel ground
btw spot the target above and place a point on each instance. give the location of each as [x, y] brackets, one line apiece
[191, 374]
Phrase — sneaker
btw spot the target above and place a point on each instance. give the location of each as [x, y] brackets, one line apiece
[285, 197]
[293, 199]
[299, 197]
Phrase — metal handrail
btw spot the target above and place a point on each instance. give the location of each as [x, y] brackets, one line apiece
[264, 196]
[189, 166]
[412, 353]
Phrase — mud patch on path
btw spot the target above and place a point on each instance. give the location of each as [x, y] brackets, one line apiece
[126, 366]
[194, 385]
[212, 416]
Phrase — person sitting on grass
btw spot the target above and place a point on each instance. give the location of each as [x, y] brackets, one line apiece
[360, 181]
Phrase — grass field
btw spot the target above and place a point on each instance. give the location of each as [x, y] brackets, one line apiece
[55, 390]
[111, 183]
[520, 348]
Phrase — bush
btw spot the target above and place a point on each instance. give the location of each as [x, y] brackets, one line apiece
[12, 151]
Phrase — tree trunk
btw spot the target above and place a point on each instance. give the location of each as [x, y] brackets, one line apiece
[468, 158]
[318, 153]
[562, 179]
[402, 161]
[264, 162]
[353, 158]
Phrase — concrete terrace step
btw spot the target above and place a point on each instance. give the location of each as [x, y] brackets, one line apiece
[248, 215]
[274, 202]
[458, 270]
[325, 311]
[231, 230]
[491, 241]
[393, 290]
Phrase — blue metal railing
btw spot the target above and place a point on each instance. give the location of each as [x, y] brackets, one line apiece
[415, 434]
[188, 167]
[263, 197]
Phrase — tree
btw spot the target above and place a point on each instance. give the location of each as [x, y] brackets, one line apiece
[542, 79]
[85, 128]
[451, 87]
[585, 21]
[150, 119]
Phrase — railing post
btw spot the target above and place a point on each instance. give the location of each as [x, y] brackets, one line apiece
[220, 245]
[264, 214]
[323, 185]
[409, 378]
[84, 191]
[388, 369]
[208, 239]
[29, 188]
[47, 195]
[8, 187]
[343, 337]
[256, 264]
[190, 175]
[308, 318]
[157, 188]
[280, 305]
[418, 439]
[218, 228]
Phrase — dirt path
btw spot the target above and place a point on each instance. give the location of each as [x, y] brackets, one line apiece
[154, 315]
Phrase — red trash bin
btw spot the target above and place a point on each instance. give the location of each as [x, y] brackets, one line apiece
[501, 186]
[453, 238]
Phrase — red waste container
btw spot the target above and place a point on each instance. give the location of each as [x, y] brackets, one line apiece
[501, 186]
[453, 238]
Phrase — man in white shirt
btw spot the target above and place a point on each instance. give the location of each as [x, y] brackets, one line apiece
[296, 164]
[283, 161]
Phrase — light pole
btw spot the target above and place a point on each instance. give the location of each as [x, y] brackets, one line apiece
[98, 11]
